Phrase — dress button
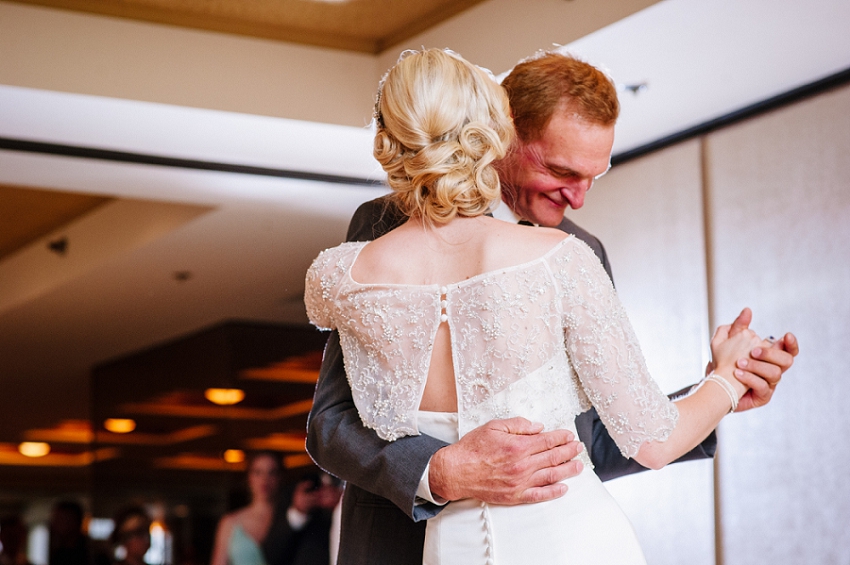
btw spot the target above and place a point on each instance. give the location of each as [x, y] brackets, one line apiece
[444, 303]
[444, 318]
[443, 290]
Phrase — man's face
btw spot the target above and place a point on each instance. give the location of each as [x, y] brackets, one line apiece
[541, 178]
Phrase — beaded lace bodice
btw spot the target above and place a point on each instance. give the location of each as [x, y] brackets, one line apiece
[543, 340]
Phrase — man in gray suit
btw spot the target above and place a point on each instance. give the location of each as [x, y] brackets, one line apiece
[564, 111]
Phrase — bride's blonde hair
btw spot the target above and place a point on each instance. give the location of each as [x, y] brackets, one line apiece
[441, 122]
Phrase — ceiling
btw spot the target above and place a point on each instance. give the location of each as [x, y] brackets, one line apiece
[27, 215]
[157, 253]
[368, 26]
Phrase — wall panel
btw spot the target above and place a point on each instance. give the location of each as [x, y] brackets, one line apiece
[779, 203]
[649, 215]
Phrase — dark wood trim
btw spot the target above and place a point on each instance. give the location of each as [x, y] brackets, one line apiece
[806, 91]
[222, 23]
[158, 160]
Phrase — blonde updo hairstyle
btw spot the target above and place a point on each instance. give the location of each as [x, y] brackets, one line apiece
[440, 123]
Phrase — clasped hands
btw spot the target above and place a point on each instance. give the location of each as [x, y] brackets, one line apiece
[514, 461]
[763, 369]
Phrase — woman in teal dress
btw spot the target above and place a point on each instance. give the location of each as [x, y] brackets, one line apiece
[241, 533]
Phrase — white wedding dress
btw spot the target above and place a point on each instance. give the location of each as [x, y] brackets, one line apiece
[542, 340]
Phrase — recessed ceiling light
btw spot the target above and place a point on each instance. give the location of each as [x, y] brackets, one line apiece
[234, 456]
[120, 425]
[34, 448]
[224, 396]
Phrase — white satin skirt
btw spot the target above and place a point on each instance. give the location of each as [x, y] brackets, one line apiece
[583, 527]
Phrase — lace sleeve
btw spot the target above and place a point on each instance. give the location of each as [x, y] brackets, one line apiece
[316, 298]
[322, 283]
[606, 356]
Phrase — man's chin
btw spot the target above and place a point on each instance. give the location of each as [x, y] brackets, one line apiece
[550, 218]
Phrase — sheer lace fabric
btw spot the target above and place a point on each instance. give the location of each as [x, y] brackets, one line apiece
[542, 340]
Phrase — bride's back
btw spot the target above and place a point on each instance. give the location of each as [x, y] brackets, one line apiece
[440, 124]
[418, 254]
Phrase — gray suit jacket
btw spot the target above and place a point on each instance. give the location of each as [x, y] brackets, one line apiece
[381, 522]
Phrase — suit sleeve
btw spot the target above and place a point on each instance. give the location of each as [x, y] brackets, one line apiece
[610, 464]
[336, 438]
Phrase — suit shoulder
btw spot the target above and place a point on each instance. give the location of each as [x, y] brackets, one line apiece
[374, 218]
[581, 233]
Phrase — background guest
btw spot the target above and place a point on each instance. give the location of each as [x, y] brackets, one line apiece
[131, 538]
[302, 535]
[240, 534]
[13, 538]
[68, 544]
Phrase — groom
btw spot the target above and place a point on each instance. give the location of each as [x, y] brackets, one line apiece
[564, 111]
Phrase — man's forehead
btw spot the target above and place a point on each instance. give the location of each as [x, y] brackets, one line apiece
[571, 142]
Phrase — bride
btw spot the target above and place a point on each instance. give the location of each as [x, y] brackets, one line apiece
[456, 318]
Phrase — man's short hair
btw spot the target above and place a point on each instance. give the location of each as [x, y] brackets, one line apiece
[537, 86]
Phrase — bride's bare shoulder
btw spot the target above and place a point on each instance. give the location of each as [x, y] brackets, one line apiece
[516, 243]
[549, 235]
[379, 257]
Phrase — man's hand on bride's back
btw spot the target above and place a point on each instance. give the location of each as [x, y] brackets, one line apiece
[506, 462]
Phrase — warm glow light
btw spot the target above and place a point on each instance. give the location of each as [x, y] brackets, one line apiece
[120, 425]
[234, 456]
[34, 448]
[224, 396]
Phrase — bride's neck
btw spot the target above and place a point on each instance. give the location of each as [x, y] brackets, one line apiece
[456, 231]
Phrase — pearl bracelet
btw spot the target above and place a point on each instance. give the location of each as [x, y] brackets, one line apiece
[727, 386]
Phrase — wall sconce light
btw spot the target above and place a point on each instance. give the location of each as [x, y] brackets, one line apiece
[234, 456]
[224, 396]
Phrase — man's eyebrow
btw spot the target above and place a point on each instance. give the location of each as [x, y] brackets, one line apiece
[561, 169]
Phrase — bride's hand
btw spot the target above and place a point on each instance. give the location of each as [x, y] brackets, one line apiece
[727, 347]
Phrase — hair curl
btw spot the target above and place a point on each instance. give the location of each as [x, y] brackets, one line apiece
[441, 123]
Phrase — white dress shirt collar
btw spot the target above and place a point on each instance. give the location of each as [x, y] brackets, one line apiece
[503, 212]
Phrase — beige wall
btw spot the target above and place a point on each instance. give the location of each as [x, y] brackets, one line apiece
[66, 51]
[498, 33]
[774, 235]
[779, 203]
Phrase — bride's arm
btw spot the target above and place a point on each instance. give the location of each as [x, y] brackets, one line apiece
[702, 410]
[609, 364]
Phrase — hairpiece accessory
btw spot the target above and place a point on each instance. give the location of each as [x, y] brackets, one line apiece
[376, 114]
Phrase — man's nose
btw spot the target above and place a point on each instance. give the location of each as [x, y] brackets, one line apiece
[574, 194]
